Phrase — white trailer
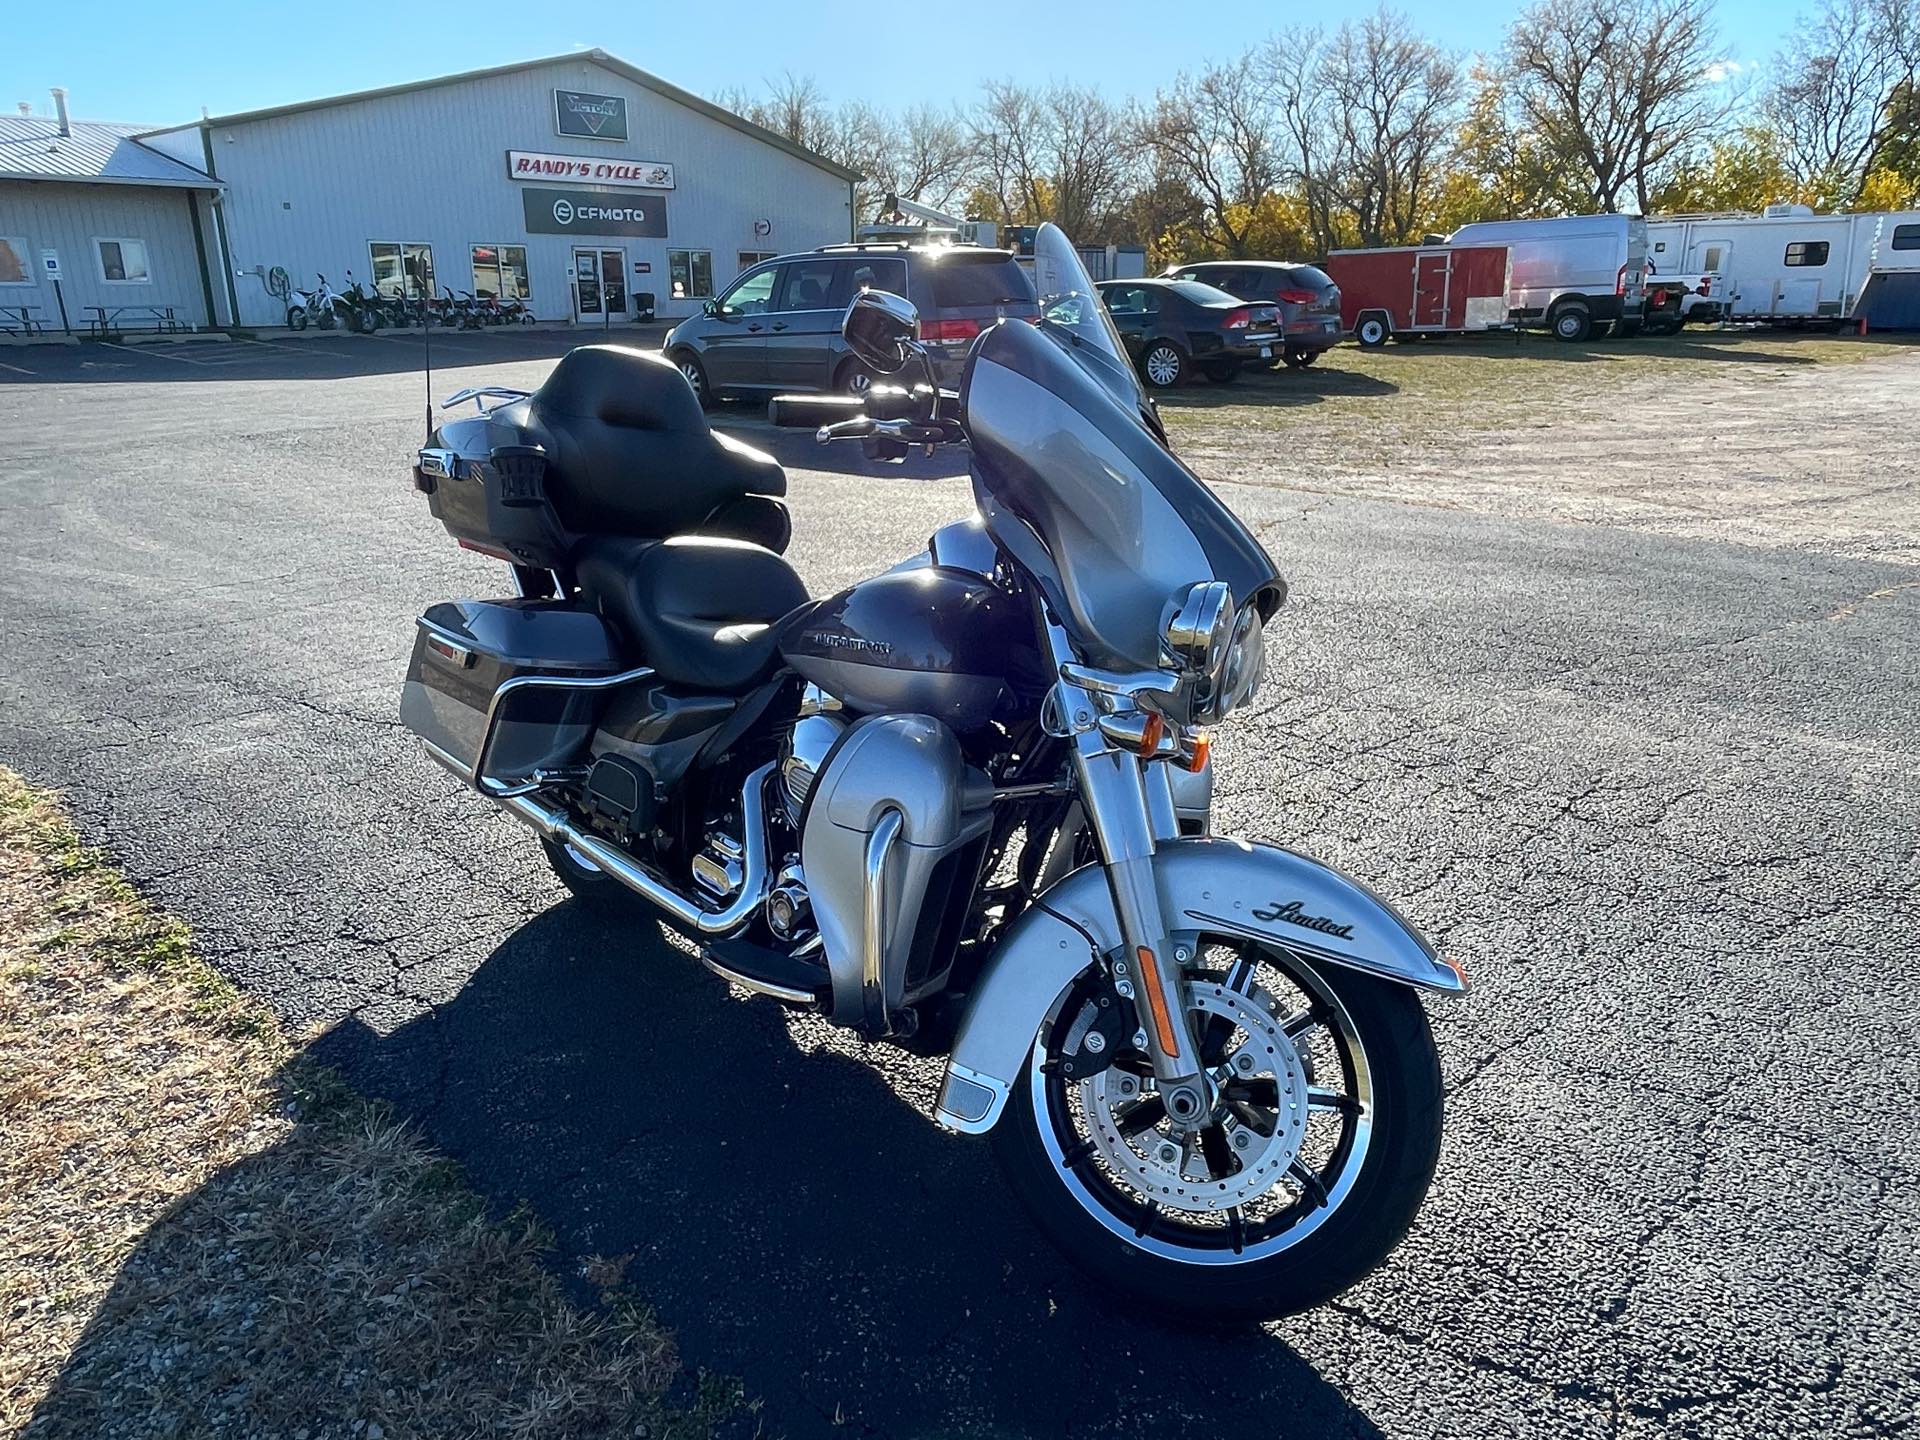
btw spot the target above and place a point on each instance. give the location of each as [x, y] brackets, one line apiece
[1786, 264]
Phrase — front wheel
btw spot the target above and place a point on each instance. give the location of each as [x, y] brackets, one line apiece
[1163, 365]
[1305, 1176]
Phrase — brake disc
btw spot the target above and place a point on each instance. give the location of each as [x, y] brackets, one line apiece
[1167, 1165]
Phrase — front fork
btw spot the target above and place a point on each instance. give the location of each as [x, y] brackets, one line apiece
[1128, 808]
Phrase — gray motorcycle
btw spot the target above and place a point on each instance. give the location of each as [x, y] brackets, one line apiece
[961, 807]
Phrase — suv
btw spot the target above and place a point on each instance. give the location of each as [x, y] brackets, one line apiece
[777, 327]
[1308, 300]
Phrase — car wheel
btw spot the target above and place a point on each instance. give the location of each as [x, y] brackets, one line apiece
[1572, 323]
[1163, 365]
[1223, 374]
[1372, 332]
[1300, 358]
[696, 377]
[854, 379]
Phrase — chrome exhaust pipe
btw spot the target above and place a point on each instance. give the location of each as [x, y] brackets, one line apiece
[553, 825]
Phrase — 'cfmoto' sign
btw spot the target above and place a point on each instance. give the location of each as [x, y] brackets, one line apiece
[594, 212]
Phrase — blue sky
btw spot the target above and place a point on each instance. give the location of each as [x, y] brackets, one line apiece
[160, 62]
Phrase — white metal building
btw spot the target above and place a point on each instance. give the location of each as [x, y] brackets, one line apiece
[574, 183]
[100, 226]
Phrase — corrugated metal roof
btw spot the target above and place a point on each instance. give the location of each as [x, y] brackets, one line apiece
[601, 58]
[96, 153]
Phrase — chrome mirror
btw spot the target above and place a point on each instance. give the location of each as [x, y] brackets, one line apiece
[882, 329]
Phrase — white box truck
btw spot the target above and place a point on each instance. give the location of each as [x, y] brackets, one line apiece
[1577, 275]
[1787, 265]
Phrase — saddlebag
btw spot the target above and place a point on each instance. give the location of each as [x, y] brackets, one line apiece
[480, 687]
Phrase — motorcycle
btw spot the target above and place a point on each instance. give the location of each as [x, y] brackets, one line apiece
[366, 311]
[961, 807]
[320, 306]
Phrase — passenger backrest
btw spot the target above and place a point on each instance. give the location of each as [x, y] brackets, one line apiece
[629, 450]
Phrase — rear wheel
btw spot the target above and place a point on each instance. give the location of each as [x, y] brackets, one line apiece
[1305, 1176]
[1224, 373]
[589, 883]
[1372, 332]
[1163, 365]
[1300, 358]
[1572, 323]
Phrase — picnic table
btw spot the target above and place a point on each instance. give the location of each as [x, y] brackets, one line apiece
[21, 320]
[109, 319]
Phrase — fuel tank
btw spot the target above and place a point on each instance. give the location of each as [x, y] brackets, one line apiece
[928, 641]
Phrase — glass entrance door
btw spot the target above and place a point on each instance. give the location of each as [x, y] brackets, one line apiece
[600, 285]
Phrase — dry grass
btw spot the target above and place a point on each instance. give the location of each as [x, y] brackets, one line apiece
[1367, 406]
[202, 1234]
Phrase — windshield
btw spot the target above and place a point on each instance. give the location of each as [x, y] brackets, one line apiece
[1072, 314]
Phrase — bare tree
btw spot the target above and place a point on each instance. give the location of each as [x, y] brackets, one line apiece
[930, 157]
[1394, 101]
[1214, 134]
[1836, 105]
[1315, 140]
[1623, 86]
[1084, 148]
[792, 106]
[1006, 135]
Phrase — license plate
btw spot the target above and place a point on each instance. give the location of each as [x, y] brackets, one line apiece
[1266, 352]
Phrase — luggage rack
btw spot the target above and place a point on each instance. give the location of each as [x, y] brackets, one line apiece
[480, 394]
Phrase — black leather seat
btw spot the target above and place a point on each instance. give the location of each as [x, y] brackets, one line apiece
[697, 608]
[629, 452]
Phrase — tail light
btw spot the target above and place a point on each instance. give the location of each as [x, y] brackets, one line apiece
[1296, 297]
[949, 332]
[1620, 282]
[1706, 287]
[1239, 319]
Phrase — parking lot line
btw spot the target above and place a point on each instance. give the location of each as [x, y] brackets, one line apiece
[17, 369]
[157, 354]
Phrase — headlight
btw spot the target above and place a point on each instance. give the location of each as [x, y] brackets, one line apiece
[1221, 653]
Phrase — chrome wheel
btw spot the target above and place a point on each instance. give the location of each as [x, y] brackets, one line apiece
[1162, 366]
[856, 381]
[1281, 1150]
[696, 377]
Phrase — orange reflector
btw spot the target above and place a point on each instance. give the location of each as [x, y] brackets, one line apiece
[1157, 1003]
[1202, 752]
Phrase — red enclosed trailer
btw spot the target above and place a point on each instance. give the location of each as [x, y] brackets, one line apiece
[1420, 290]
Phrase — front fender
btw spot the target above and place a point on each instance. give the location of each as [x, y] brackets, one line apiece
[1219, 886]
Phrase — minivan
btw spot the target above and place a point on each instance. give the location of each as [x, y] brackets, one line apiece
[1578, 275]
[776, 329]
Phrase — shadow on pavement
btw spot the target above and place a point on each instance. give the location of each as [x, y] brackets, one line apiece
[792, 1218]
[1325, 380]
[1763, 347]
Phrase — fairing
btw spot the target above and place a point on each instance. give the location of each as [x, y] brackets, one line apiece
[1074, 486]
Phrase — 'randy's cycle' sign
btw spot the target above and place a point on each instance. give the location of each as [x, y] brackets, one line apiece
[590, 170]
[592, 117]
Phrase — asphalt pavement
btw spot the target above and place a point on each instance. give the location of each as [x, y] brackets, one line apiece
[1659, 796]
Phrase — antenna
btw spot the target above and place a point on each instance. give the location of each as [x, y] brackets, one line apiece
[426, 340]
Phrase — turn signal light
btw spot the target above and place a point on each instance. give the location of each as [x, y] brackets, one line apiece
[1139, 733]
[1201, 750]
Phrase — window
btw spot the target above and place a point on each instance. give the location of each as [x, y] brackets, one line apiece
[751, 258]
[809, 285]
[689, 274]
[123, 262]
[1807, 252]
[1713, 258]
[13, 261]
[500, 270]
[959, 280]
[402, 267]
[889, 275]
[1129, 300]
[751, 296]
[1905, 237]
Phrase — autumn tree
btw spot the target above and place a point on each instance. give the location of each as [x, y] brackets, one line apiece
[1621, 86]
[1842, 102]
[1214, 133]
